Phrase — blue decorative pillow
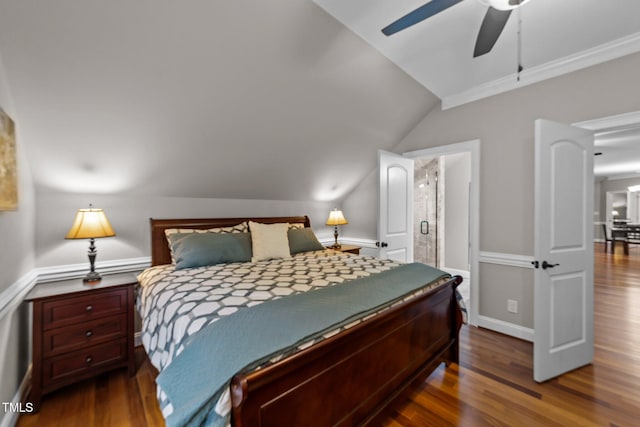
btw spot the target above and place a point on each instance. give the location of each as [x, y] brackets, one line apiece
[303, 240]
[202, 249]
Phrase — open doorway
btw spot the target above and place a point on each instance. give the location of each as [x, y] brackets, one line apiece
[616, 169]
[446, 213]
[441, 214]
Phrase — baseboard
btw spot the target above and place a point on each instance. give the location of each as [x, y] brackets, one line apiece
[10, 419]
[506, 328]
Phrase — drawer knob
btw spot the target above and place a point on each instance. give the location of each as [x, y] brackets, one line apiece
[89, 307]
[89, 359]
[88, 333]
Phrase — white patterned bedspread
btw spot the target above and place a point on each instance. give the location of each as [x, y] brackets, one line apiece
[175, 304]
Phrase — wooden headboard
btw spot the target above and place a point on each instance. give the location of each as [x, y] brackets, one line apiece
[160, 247]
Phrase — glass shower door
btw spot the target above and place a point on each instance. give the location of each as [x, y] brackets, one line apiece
[426, 212]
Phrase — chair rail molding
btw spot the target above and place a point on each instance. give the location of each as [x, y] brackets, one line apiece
[12, 296]
[73, 271]
[511, 260]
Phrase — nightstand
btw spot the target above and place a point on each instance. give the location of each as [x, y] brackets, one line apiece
[80, 331]
[352, 249]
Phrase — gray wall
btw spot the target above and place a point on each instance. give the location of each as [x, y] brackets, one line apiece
[129, 215]
[16, 260]
[505, 125]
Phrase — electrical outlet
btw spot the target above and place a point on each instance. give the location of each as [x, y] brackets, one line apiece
[512, 306]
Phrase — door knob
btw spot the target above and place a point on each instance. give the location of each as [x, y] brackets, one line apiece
[546, 265]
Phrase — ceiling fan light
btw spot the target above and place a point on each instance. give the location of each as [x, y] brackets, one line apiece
[506, 4]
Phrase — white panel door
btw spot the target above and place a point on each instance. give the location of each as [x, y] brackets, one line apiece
[395, 213]
[563, 294]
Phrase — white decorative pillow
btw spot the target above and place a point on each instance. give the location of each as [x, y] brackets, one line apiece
[269, 241]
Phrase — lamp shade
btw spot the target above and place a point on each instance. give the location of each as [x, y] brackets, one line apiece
[336, 218]
[90, 224]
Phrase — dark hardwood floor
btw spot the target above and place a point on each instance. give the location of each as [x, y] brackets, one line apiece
[492, 386]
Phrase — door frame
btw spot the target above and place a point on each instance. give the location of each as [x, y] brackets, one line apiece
[472, 147]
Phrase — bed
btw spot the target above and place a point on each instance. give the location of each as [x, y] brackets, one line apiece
[344, 374]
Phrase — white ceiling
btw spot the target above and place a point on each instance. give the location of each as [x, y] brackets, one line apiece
[558, 36]
[620, 154]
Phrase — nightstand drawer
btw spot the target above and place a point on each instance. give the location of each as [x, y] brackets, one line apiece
[78, 363]
[56, 341]
[67, 311]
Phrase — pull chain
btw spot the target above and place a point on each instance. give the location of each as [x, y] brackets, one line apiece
[519, 44]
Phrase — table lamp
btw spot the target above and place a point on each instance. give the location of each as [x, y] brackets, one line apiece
[336, 218]
[90, 224]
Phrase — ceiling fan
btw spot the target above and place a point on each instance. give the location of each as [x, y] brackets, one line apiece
[492, 25]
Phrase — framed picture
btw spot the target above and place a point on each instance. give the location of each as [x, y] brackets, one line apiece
[8, 164]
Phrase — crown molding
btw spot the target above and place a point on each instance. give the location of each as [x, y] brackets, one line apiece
[615, 123]
[587, 58]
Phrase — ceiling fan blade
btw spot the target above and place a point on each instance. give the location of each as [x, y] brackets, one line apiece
[491, 28]
[420, 14]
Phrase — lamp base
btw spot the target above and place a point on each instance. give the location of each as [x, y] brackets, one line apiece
[91, 278]
[335, 246]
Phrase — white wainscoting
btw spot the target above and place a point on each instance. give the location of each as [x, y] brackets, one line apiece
[507, 328]
[10, 300]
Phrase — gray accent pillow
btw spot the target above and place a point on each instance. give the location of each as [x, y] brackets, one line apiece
[202, 249]
[303, 240]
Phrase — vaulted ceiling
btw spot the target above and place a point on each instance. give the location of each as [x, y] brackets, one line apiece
[238, 99]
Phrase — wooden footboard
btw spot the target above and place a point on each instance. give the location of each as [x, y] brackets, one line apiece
[347, 379]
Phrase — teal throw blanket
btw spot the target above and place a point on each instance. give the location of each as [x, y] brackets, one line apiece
[196, 378]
